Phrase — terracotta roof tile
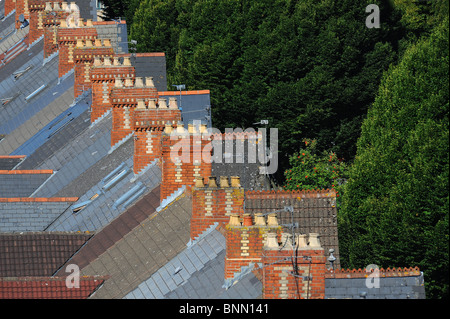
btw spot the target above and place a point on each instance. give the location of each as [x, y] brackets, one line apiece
[47, 288]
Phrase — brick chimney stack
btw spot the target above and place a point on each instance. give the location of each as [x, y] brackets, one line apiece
[151, 115]
[50, 19]
[292, 268]
[246, 236]
[10, 5]
[103, 74]
[68, 33]
[127, 95]
[22, 8]
[83, 55]
[214, 202]
[185, 157]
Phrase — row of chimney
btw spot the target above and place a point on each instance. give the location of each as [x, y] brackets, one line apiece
[290, 266]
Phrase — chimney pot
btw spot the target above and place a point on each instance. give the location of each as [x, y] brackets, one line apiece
[128, 82]
[97, 61]
[301, 241]
[173, 103]
[64, 7]
[314, 241]
[235, 181]
[234, 220]
[98, 42]
[118, 83]
[56, 6]
[271, 241]
[199, 182]
[139, 82]
[260, 220]
[89, 43]
[203, 128]
[162, 103]
[168, 129]
[63, 23]
[89, 23]
[149, 82]
[80, 43]
[191, 128]
[151, 102]
[116, 61]
[107, 42]
[71, 22]
[212, 182]
[80, 22]
[48, 7]
[248, 220]
[106, 61]
[224, 182]
[141, 104]
[286, 241]
[180, 129]
[272, 220]
[73, 6]
[127, 61]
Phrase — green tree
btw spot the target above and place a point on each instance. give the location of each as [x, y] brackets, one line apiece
[312, 170]
[395, 208]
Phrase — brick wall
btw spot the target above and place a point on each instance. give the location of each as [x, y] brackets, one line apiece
[83, 56]
[36, 8]
[214, 202]
[290, 273]
[149, 123]
[103, 74]
[67, 40]
[51, 20]
[10, 5]
[183, 159]
[147, 146]
[125, 96]
[22, 8]
[245, 239]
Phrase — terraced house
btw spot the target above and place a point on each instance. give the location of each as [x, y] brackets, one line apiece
[89, 181]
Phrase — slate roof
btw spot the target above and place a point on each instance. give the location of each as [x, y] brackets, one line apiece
[10, 162]
[37, 254]
[141, 245]
[407, 283]
[21, 183]
[145, 249]
[197, 273]
[30, 214]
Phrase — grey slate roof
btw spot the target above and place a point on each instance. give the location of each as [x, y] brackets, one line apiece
[99, 212]
[157, 240]
[22, 118]
[8, 163]
[390, 288]
[20, 185]
[29, 216]
[75, 157]
[197, 273]
[154, 66]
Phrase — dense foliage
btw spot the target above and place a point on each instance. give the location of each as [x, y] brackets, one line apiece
[313, 170]
[395, 208]
[317, 73]
[311, 68]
